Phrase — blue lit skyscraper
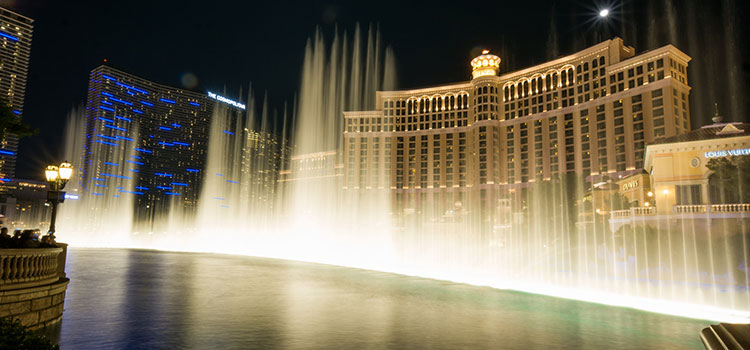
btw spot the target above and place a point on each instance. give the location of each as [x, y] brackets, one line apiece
[145, 144]
[15, 51]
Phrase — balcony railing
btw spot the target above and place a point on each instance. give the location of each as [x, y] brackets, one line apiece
[635, 211]
[24, 268]
[643, 211]
[730, 208]
[617, 214]
[712, 208]
[689, 209]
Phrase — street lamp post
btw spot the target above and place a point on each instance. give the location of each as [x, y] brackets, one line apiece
[57, 177]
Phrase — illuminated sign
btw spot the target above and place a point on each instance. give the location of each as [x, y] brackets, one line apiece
[630, 185]
[730, 152]
[482, 73]
[71, 196]
[225, 100]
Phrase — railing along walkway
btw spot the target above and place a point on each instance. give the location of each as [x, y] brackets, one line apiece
[24, 268]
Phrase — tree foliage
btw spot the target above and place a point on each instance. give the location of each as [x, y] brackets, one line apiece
[12, 123]
[730, 181]
[14, 336]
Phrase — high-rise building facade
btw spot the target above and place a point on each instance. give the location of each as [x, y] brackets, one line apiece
[146, 140]
[263, 156]
[15, 52]
[590, 113]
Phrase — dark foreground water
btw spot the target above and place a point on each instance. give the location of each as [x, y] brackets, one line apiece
[138, 299]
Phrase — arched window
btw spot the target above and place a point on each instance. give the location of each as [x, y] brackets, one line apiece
[601, 61]
[594, 63]
[512, 92]
[525, 88]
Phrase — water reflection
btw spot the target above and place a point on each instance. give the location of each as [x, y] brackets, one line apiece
[138, 299]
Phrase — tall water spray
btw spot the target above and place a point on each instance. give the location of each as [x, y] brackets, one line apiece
[94, 220]
[327, 223]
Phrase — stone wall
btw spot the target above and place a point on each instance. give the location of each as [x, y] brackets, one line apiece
[35, 307]
[33, 285]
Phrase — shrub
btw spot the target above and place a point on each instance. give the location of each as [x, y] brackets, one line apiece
[15, 336]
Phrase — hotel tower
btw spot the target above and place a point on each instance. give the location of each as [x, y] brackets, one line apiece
[15, 51]
[591, 113]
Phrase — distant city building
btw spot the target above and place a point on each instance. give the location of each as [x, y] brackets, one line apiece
[147, 141]
[23, 204]
[311, 168]
[263, 156]
[15, 52]
[589, 113]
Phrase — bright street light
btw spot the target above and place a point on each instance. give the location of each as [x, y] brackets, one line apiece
[57, 177]
[52, 173]
[604, 13]
[66, 170]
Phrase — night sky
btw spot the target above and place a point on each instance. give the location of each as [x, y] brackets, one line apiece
[231, 44]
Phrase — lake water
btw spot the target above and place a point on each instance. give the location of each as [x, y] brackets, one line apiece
[141, 299]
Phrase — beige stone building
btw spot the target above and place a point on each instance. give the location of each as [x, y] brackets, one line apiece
[589, 113]
[678, 167]
[636, 188]
[683, 193]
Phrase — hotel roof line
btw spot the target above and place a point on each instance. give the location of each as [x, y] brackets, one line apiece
[548, 65]
[197, 93]
[669, 48]
[31, 20]
[160, 85]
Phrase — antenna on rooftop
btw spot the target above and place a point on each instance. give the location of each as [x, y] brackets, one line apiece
[717, 118]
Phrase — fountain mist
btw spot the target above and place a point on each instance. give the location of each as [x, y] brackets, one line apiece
[311, 214]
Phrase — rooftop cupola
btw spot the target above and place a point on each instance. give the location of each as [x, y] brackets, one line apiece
[485, 64]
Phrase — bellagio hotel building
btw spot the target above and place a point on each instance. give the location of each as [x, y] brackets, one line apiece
[591, 113]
